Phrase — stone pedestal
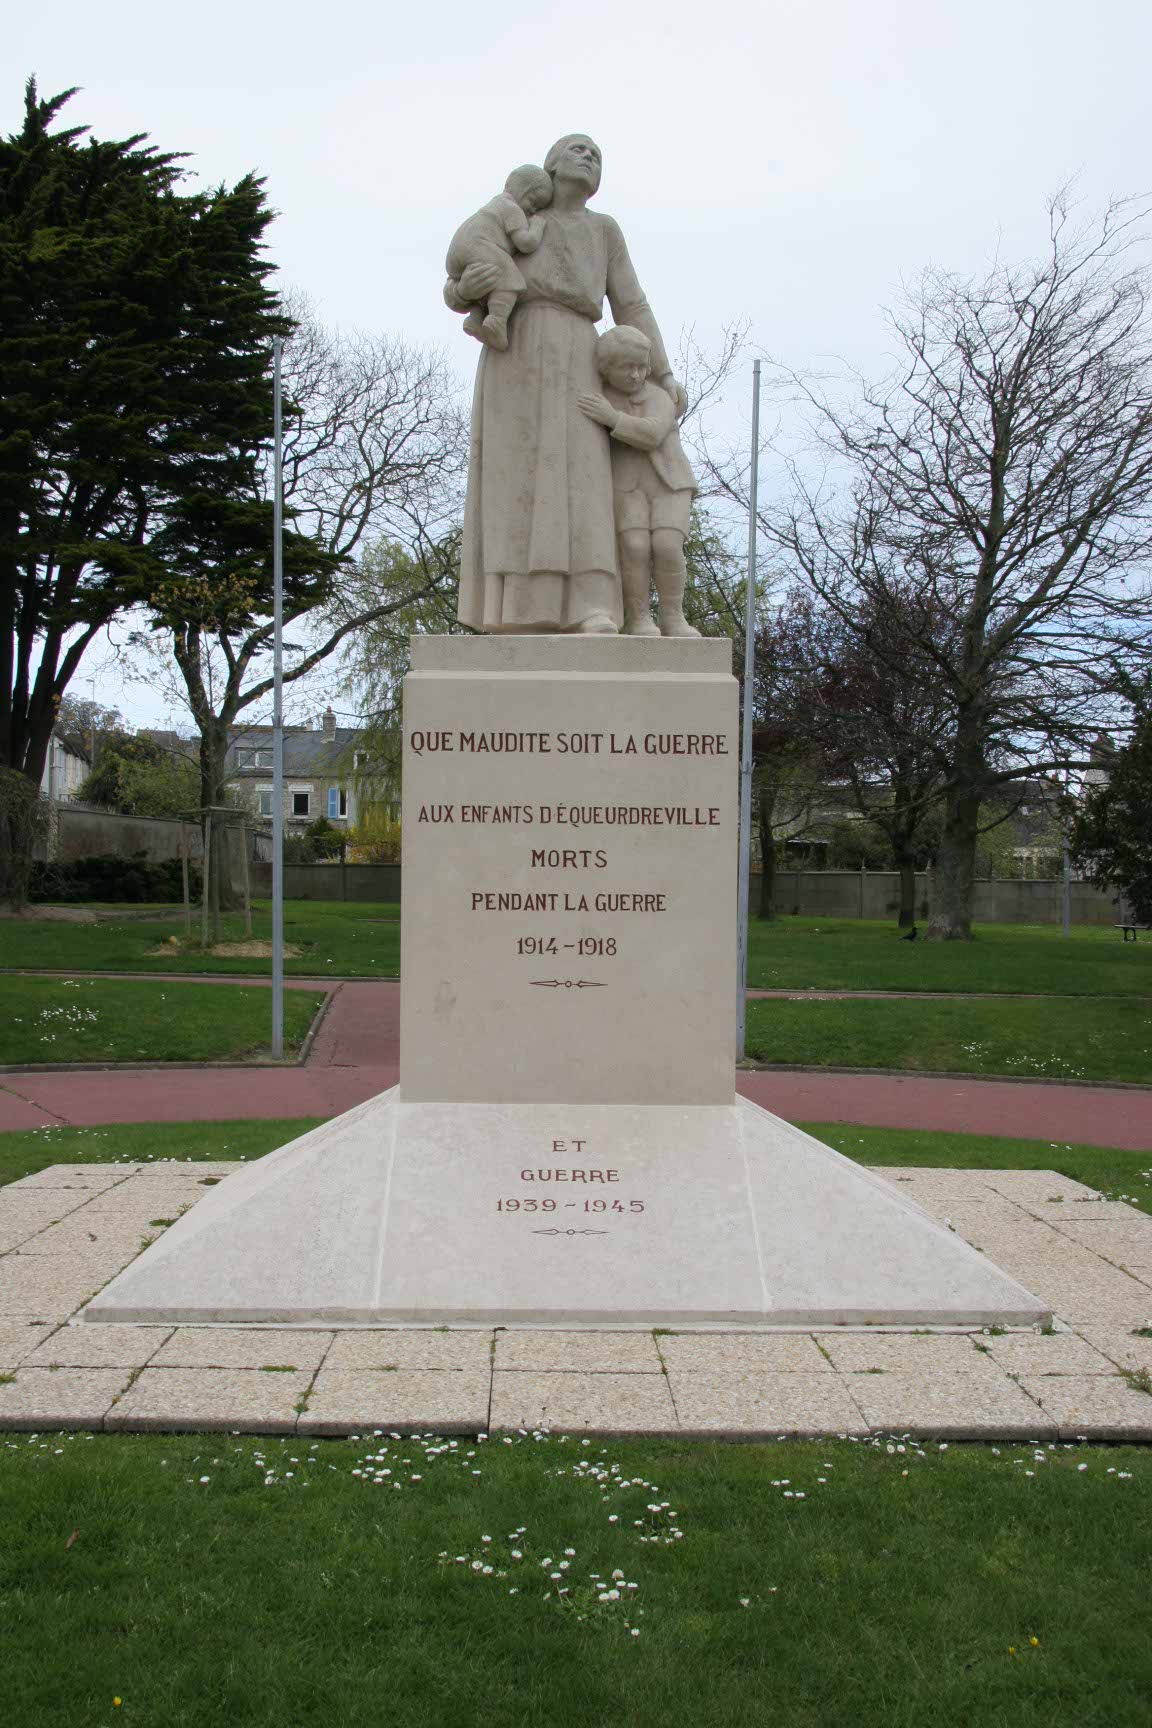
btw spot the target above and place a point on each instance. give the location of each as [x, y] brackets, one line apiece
[569, 911]
[565, 1145]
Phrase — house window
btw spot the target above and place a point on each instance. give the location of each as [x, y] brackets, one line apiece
[301, 803]
[262, 759]
[265, 803]
[337, 801]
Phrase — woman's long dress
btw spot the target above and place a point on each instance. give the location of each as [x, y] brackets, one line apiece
[539, 548]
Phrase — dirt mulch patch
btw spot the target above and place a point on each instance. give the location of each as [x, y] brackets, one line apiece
[253, 950]
[52, 914]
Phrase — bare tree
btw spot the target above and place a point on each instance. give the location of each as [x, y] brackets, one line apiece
[374, 447]
[884, 734]
[1003, 476]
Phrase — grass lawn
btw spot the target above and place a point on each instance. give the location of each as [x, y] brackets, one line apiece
[1119, 1174]
[362, 940]
[234, 1580]
[117, 1020]
[174, 1581]
[1049, 1040]
[859, 954]
[359, 940]
[27, 1150]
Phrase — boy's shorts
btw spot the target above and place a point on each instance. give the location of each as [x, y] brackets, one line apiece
[650, 505]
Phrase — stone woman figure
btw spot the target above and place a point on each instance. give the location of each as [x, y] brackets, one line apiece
[539, 549]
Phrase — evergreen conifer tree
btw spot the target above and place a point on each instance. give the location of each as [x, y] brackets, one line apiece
[1112, 836]
[135, 326]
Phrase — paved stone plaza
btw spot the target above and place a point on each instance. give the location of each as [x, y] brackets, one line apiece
[67, 1230]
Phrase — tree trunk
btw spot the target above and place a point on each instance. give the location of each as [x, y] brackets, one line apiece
[19, 826]
[222, 896]
[767, 861]
[23, 816]
[951, 900]
[906, 865]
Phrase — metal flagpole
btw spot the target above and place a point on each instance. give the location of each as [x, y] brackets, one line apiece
[746, 738]
[277, 714]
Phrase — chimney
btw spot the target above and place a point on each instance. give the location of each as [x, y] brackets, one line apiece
[329, 724]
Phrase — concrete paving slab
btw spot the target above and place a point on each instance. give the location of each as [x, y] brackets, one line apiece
[22, 1219]
[1114, 1239]
[583, 1403]
[19, 1340]
[931, 1178]
[703, 1352]
[578, 1352]
[976, 1219]
[60, 1398]
[1033, 1355]
[906, 1353]
[363, 1352]
[212, 1399]
[448, 1400]
[1093, 1408]
[241, 1347]
[1121, 1345]
[1037, 1185]
[99, 1347]
[724, 1383]
[1027, 1239]
[1118, 1245]
[1104, 1298]
[106, 1239]
[44, 1287]
[951, 1406]
[93, 1177]
[184, 1169]
[137, 1198]
[1065, 1212]
[742, 1403]
[1138, 1266]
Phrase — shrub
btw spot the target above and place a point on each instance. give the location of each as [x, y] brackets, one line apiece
[375, 838]
[326, 839]
[134, 879]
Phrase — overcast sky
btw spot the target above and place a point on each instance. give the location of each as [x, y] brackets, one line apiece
[781, 162]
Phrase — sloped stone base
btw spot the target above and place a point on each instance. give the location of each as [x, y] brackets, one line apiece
[401, 1213]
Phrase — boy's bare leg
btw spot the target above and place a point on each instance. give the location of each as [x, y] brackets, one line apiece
[636, 581]
[500, 305]
[671, 576]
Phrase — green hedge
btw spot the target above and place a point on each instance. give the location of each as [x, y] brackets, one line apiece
[112, 876]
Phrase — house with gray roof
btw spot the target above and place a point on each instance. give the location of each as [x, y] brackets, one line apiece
[320, 768]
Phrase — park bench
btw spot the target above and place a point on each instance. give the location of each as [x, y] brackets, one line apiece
[1124, 929]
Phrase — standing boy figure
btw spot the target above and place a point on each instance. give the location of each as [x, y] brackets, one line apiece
[652, 483]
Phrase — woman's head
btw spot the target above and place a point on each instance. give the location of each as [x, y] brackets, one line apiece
[575, 157]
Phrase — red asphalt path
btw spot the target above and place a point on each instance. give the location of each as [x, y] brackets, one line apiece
[356, 1053]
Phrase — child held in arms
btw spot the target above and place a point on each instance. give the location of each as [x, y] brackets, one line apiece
[488, 237]
[652, 483]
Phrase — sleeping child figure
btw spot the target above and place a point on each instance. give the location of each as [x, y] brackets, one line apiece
[506, 223]
[652, 483]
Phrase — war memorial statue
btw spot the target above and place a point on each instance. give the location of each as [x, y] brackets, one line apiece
[565, 1145]
[546, 546]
